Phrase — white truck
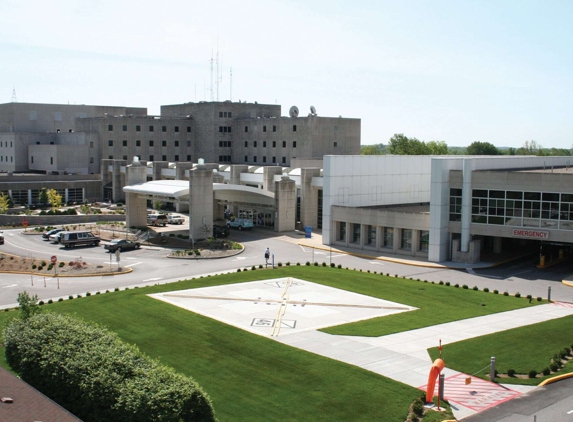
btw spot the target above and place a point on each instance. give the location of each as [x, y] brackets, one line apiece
[175, 219]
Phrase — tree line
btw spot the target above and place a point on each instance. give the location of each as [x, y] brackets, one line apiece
[400, 144]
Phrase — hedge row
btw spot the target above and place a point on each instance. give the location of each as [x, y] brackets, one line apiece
[93, 374]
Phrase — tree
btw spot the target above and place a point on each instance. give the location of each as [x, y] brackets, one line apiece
[530, 148]
[54, 198]
[402, 145]
[376, 149]
[4, 203]
[438, 147]
[43, 197]
[482, 148]
[157, 205]
[28, 305]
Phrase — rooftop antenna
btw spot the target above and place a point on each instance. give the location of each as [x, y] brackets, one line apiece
[14, 98]
[231, 81]
[211, 74]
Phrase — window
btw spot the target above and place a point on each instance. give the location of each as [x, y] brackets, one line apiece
[356, 233]
[342, 231]
[124, 143]
[188, 129]
[188, 158]
[163, 143]
[176, 129]
[32, 159]
[124, 157]
[388, 237]
[163, 128]
[138, 128]
[110, 143]
[284, 160]
[151, 128]
[274, 159]
[264, 144]
[335, 144]
[274, 144]
[371, 235]
[406, 239]
[264, 159]
[164, 158]
[176, 158]
[246, 144]
[246, 158]
[255, 159]
[335, 127]
[246, 128]
[255, 144]
[151, 158]
[110, 128]
[110, 157]
[51, 160]
[274, 128]
[91, 144]
[424, 240]
[176, 143]
[294, 128]
[264, 128]
[456, 204]
[150, 143]
[220, 114]
[284, 144]
[137, 143]
[188, 143]
[91, 160]
[124, 128]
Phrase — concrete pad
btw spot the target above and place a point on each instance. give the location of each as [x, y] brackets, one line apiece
[282, 306]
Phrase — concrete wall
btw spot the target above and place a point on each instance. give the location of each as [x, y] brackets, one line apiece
[56, 220]
[62, 158]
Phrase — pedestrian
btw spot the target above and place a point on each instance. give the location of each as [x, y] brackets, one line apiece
[267, 256]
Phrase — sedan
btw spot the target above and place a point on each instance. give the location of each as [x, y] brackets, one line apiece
[51, 232]
[121, 245]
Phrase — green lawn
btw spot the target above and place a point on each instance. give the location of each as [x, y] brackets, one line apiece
[521, 349]
[249, 377]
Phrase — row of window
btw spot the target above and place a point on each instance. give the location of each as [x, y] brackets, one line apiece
[225, 129]
[138, 143]
[274, 128]
[274, 159]
[2, 158]
[224, 158]
[32, 160]
[274, 144]
[387, 236]
[225, 144]
[32, 196]
[151, 158]
[225, 114]
[1, 144]
[150, 128]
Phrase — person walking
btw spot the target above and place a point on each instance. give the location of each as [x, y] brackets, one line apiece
[267, 256]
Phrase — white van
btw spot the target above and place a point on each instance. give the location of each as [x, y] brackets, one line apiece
[156, 220]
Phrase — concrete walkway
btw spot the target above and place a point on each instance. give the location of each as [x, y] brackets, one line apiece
[403, 356]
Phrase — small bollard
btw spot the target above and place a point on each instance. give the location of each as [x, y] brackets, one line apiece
[44, 281]
[549, 294]
[492, 369]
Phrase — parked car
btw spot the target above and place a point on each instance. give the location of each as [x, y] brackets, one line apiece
[55, 238]
[240, 223]
[121, 245]
[175, 219]
[220, 231]
[1, 238]
[47, 235]
[83, 238]
[156, 220]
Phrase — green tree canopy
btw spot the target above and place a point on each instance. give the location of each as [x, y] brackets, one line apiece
[4, 203]
[482, 148]
[402, 145]
[376, 149]
[54, 198]
[437, 147]
[43, 196]
[530, 148]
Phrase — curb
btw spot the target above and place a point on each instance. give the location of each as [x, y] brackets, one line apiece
[555, 379]
[567, 283]
[214, 257]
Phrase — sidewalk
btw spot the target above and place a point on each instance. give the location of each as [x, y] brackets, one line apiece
[403, 356]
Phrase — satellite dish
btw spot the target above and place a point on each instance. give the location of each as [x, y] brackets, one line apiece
[312, 110]
[293, 112]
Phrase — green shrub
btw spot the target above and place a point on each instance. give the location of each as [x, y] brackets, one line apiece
[50, 301]
[475, 288]
[339, 266]
[539, 298]
[316, 264]
[332, 265]
[530, 297]
[505, 293]
[324, 264]
[532, 373]
[116, 289]
[97, 377]
[554, 367]
[238, 270]
[280, 264]
[88, 294]
[495, 292]
[456, 285]
[43, 263]
[298, 264]
[418, 407]
[546, 371]
[518, 295]
[33, 266]
[41, 302]
[61, 299]
[253, 268]
[511, 372]
[307, 263]
[465, 287]
[441, 283]
[61, 264]
[447, 283]
[70, 297]
[485, 289]
[287, 264]
[260, 265]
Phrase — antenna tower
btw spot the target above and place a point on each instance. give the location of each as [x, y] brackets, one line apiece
[231, 81]
[211, 75]
[14, 98]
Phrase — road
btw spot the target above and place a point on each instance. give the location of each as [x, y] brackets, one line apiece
[552, 403]
[150, 266]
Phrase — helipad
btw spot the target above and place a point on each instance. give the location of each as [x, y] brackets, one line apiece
[281, 306]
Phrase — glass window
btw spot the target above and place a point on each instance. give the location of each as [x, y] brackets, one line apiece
[371, 233]
[110, 143]
[151, 128]
[424, 240]
[137, 143]
[124, 128]
[406, 239]
[163, 143]
[138, 128]
[356, 233]
[110, 128]
[176, 129]
[388, 237]
[163, 128]
[124, 143]
[342, 231]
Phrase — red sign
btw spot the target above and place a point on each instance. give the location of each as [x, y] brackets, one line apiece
[54, 259]
[25, 223]
[531, 234]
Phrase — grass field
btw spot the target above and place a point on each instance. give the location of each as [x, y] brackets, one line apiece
[521, 349]
[250, 377]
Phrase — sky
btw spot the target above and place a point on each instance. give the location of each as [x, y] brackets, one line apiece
[455, 71]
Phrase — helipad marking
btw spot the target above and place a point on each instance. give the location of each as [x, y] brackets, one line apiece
[562, 304]
[479, 395]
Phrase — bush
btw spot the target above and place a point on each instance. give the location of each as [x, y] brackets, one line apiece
[505, 293]
[495, 292]
[518, 295]
[441, 283]
[339, 266]
[88, 294]
[332, 265]
[529, 297]
[532, 373]
[511, 372]
[324, 264]
[61, 299]
[44, 263]
[546, 371]
[116, 289]
[554, 367]
[316, 264]
[418, 407]
[97, 377]
[238, 270]
[61, 264]
[485, 289]
[41, 302]
[288, 264]
[280, 264]
[33, 266]
[307, 263]
[456, 285]
[50, 301]
[253, 268]
[465, 287]
[70, 297]
[539, 298]
[475, 288]
[260, 265]
[447, 283]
